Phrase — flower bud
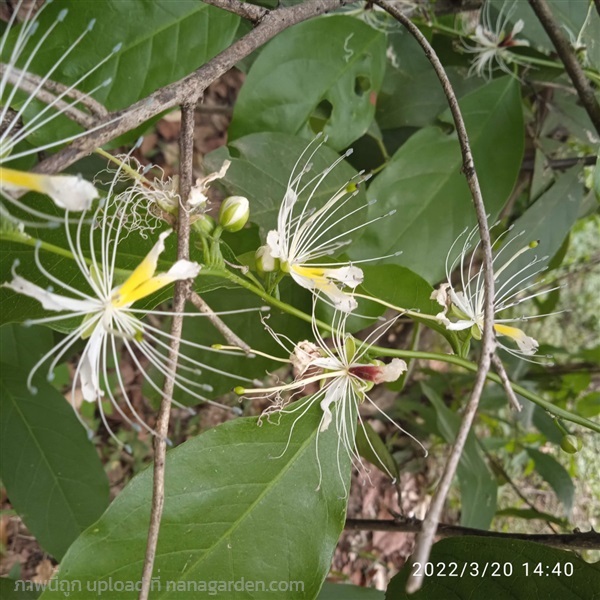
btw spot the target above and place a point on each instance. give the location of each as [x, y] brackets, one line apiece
[571, 444]
[265, 262]
[234, 213]
[206, 224]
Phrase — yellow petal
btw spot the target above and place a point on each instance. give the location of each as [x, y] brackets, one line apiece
[527, 345]
[141, 274]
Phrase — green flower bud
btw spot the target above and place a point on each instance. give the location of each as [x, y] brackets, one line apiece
[571, 444]
[265, 262]
[234, 213]
[206, 224]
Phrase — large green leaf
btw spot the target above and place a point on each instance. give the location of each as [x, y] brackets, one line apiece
[19, 590]
[482, 567]
[336, 64]
[161, 42]
[424, 184]
[51, 471]
[411, 94]
[234, 510]
[261, 165]
[478, 488]
[548, 220]
[556, 475]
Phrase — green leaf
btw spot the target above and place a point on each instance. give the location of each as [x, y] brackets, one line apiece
[423, 182]
[411, 94]
[22, 347]
[342, 591]
[261, 165]
[514, 570]
[478, 487]
[162, 41]
[330, 68]
[18, 590]
[231, 500]
[51, 471]
[589, 405]
[556, 475]
[548, 220]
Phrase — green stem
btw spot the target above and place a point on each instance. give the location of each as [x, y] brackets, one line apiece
[470, 366]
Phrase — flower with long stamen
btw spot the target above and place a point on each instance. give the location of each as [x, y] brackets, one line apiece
[344, 373]
[491, 43]
[106, 316]
[20, 94]
[463, 306]
[304, 233]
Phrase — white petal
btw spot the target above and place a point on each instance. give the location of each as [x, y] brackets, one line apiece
[391, 371]
[460, 325]
[351, 276]
[71, 192]
[49, 300]
[274, 244]
[331, 396]
[90, 366]
[183, 269]
[440, 295]
[518, 27]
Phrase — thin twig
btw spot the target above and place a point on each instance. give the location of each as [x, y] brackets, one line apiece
[251, 12]
[570, 541]
[191, 87]
[221, 327]
[569, 59]
[512, 397]
[182, 288]
[425, 539]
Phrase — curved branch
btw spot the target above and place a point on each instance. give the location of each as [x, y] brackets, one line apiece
[425, 539]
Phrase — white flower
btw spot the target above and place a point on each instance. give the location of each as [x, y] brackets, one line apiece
[107, 318]
[465, 305]
[304, 234]
[344, 374]
[491, 43]
[17, 53]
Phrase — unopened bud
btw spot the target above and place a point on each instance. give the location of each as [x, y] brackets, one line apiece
[206, 224]
[265, 262]
[571, 444]
[234, 213]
